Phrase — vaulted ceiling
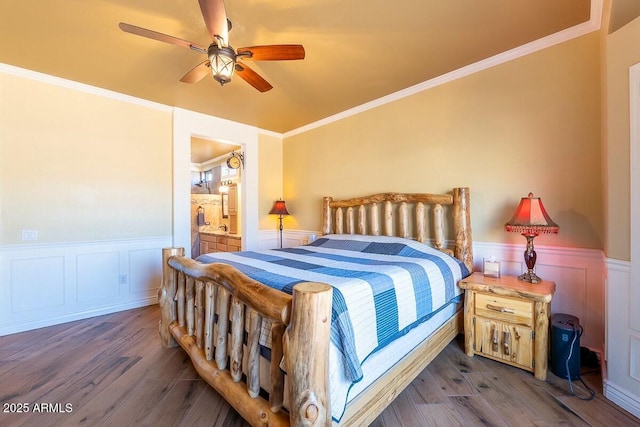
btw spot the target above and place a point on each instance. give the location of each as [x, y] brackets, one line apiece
[356, 50]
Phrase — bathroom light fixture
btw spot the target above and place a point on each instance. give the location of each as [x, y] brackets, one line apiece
[531, 219]
[224, 186]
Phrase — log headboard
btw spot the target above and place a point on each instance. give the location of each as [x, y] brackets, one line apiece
[361, 215]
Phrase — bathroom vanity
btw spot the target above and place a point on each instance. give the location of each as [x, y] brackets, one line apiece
[218, 241]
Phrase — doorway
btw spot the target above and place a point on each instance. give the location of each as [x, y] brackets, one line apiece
[212, 181]
[189, 124]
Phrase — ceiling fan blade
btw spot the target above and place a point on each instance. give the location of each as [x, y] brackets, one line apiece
[275, 52]
[215, 17]
[253, 78]
[139, 31]
[197, 73]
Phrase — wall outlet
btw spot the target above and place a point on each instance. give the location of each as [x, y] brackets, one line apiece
[123, 279]
[29, 234]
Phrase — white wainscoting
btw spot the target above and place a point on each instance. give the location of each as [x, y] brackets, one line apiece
[270, 239]
[622, 379]
[48, 284]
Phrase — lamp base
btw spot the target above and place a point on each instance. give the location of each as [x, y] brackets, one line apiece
[530, 260]
[530, 277]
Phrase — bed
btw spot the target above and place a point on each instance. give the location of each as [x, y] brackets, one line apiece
[298, 351]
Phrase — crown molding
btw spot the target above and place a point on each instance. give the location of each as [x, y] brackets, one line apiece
[82, 87]
[593, 24]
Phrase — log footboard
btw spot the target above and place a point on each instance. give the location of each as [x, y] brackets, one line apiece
[194, 298]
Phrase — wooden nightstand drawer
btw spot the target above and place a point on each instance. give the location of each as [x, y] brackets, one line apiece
[510, 310]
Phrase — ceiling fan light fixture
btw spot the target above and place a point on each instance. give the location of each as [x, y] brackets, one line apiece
[223, 63]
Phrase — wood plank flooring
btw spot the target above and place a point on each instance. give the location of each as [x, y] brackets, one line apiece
[112, 371]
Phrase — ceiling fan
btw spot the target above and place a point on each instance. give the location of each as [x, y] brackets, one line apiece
[222, 58]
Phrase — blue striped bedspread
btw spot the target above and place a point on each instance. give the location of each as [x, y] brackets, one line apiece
[383, 286]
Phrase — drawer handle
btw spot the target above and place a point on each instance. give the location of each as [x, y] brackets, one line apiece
[494, 339]
[500, 309]
[506, 343]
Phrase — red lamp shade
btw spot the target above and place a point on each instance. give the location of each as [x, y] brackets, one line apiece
[279, 208]
[531, 218]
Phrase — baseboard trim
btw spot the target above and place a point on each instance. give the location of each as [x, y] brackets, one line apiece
[71, 317]
[621, 397]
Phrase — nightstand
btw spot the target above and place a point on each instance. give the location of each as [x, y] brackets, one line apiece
[507, 320]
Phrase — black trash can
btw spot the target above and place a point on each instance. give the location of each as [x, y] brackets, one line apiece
[565, 346]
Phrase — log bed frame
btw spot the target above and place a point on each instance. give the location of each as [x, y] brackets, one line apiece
[192, 294]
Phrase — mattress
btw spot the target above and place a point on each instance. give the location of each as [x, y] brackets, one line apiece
[385, 290]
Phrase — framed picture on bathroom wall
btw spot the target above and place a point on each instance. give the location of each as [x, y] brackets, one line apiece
[225, 206]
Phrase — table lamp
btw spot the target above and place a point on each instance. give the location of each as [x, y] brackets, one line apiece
[531, 219]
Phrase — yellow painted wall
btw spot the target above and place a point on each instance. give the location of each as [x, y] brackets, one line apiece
[79, 167]
[270, 178]
[532, 124]
[623, 51]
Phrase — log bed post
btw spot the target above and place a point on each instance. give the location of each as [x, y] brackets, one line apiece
[463, 249]
[326, 215]
[166, 296]
[307, 355]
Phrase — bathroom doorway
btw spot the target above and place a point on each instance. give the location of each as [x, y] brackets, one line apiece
[215, 183]
[188, 124]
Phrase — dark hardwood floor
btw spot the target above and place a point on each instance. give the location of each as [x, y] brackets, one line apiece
[112, 371]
